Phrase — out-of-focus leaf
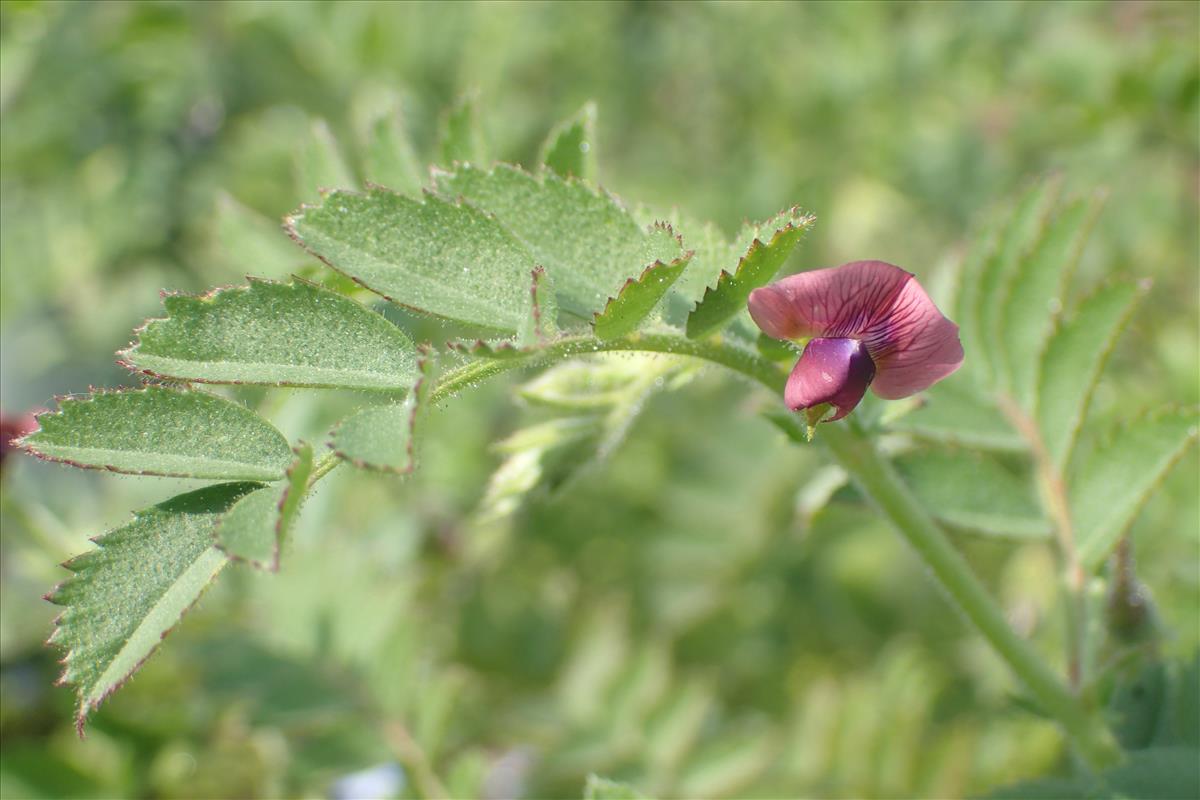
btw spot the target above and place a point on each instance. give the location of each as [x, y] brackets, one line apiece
[570, 148]
[129, 592]
[637, 298]
[254, 529]
[1035, 294]
[462, 139]
[722, 768]
[1162, 773]
[320, 164]
[388, 156]
[954, 414]
[584, 238]
[160, 431]
[598, 788]
[1072, 364]
[1115, 481]
[293, 334]
[430, 255]
[974, 492]
[996, 270]
[772, 243]
[250, 241]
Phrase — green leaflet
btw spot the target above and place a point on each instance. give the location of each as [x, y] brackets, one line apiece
[1072, 364]
[431, 255]
[584, 238]
[954, 414]
[975, 493]
[1163, 773]
[541, 319]
[129, 592]
[254, 528]
[1034, 294]
[320, 164]
[1115, 481]
[248, 237]
[598, 788]
[638, 297]
[461, 138]
[294, 334]
[382, 437]
[388, 155]
[997, 269]
[160, 431]
[570, 148]
[756, 268]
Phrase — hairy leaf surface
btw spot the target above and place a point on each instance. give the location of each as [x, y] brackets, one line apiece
[294, 334]
[129, 592]
[431, 255]
[771, 243]
[638, 297]
[254, 528]
[160, 431]
[584, 238]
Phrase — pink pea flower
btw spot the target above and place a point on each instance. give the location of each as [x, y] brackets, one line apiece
[869, 323]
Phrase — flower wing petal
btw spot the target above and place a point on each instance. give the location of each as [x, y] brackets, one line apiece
[914, 346]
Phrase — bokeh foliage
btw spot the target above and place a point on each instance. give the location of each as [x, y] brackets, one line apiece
[687, 614]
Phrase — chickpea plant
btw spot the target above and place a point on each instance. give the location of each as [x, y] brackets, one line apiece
[551, 272]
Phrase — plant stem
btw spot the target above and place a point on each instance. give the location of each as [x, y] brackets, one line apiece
[879, 481]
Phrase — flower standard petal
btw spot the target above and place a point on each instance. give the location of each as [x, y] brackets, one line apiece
[839, 302]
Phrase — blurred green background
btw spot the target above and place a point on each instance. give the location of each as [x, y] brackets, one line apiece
[678, 615]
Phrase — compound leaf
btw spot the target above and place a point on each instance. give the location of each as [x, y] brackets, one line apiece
[283, 334]
[255, 527]
[1073, 361]
[584, 238]
[954, 414]
[1115, 481]
[160, 431]
[128, 593]
[759, 264]
[432, 255]
[570, 149]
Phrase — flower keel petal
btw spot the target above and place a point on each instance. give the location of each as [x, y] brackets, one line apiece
[833, 371]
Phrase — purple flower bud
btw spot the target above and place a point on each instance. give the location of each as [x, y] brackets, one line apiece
[872, 324]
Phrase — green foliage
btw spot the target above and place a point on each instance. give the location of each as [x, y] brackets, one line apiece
[739, 616]
[637, 298]
[254, 528]
[1113, 483]
[462, 139]
[294, 334]
[1168, 773]
[598, 788]
[761, 261]
[570, 148]
[129, 592]
[161, 431]
[588, 243]
[1073, 361]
